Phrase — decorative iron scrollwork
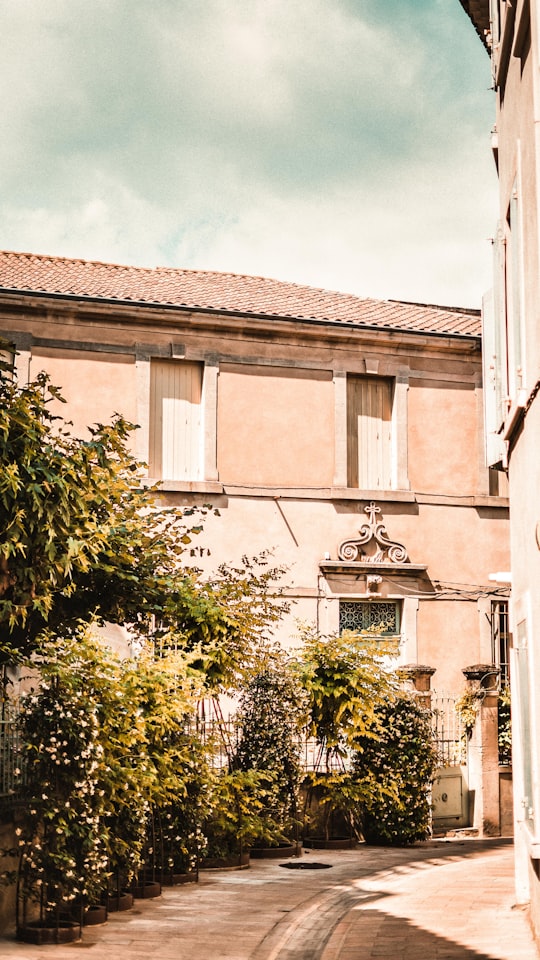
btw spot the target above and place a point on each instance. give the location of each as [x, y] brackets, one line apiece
[373, 532]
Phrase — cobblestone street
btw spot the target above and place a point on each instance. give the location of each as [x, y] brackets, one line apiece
[445, 899]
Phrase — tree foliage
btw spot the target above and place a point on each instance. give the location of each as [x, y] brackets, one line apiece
[82, 538]
[346, 679]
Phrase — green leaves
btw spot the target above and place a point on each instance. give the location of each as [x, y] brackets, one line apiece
[401, 758]
[272, 711]
[346, 679]
[106, 741]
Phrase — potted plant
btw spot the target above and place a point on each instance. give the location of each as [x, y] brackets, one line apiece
[161, 769]
[401, 758]
[345, 677]
[178, 838]
[236, 818]
[271, 714]
[63, 858]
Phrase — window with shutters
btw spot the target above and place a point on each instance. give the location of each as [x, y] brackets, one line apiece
[175, 420]
[522, 695]
[369, 433]
[503, 343]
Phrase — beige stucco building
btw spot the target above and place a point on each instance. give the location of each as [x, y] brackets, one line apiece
[305, 416]
[511, 35]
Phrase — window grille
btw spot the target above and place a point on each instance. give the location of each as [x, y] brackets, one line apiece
[374, 616]
[500, 639]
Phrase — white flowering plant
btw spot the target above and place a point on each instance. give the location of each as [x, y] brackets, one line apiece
[402, 758]
[63, 854]
[271, 718]
[107, 744]
[155, 771]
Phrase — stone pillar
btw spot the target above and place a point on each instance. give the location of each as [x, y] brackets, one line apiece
[417, 679]
[483, 751]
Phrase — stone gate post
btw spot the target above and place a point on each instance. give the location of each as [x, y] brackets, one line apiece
[483, 751]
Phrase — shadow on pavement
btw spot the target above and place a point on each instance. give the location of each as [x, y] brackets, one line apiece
[374, 933]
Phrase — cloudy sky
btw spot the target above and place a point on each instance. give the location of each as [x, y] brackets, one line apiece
[340, 143]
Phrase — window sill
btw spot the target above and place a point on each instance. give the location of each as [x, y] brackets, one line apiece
[532, 841]
[317, 493]
[185, 486]
[257, 491]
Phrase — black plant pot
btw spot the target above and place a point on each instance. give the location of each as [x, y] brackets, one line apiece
[335, 843]
[236, 861]
[94, 914]
[147, 890]
[38, 932]
[116, 902]
[274, 853]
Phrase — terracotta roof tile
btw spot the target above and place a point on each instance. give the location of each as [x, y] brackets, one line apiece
[233, 293]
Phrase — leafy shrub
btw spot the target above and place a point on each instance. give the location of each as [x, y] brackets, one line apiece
[236, 818]
[345, 677]
[271, 710]
[505, 727]
[402, 759]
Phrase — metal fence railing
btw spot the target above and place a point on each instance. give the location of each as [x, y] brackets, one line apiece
[448, 731]
[11, 761]
[223, 735]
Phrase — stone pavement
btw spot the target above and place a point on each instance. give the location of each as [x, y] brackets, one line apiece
[440, 900]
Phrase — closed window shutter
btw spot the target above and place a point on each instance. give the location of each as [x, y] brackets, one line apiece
[515, 297]
[499, 345]
[495, 447]
[175, 420]
[369, 433]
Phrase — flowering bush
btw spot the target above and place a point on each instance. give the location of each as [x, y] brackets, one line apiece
[155, 790]
[106, 744]
[271, 712]
[63, 853]
[505, 726]
[402, 759]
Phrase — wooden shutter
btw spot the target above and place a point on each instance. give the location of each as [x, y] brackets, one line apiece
[494, 443]
[175, 420]
[515, 297]
[499, 345]
[369, 433]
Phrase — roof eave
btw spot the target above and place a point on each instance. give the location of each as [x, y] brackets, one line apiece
[478, 13]
[471, 338]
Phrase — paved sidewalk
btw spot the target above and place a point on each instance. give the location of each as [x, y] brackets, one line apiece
[443, 899]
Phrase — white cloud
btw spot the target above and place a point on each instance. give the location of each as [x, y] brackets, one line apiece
[336, 142]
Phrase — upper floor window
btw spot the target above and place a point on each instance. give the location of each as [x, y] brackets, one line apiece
[369, 433]
[503, 339]
[498, 483]
[175, 420]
